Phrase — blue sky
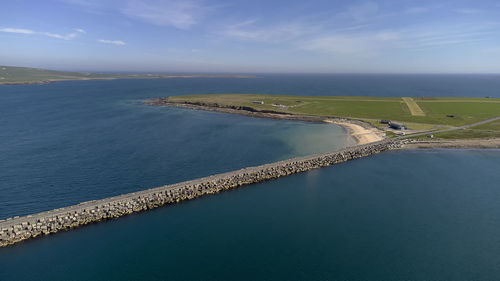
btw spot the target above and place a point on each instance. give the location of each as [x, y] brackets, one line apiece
[386, 36]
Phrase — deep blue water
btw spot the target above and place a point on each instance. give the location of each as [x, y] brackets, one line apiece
[412, 215]
[64, 143]
[430, 215]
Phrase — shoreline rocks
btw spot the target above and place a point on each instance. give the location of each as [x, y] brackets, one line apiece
[17, 229]
[251, 112]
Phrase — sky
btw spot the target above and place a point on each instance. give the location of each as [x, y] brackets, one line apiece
[385, 36]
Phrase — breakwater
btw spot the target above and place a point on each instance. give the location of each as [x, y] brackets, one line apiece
[17, 229]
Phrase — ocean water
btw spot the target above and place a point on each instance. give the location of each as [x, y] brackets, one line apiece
[407, 215]
[426, 215]
[64, 143]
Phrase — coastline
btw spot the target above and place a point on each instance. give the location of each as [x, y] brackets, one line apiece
[361, 132]
[369, 142]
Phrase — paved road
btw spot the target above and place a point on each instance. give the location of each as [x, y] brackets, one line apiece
[451, 129]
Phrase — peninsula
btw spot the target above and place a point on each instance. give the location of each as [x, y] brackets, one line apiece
[26, 75]
[428, 121]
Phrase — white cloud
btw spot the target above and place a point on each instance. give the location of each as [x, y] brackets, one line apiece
[114, 42]
[17, 30]
[68, 36]
[59, 36]
[82, 31]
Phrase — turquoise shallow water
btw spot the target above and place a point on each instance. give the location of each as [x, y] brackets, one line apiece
[426, 215]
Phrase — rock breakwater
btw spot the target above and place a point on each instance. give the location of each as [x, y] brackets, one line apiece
[17, 229]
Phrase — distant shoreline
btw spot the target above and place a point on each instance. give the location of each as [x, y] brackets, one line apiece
[118, 78]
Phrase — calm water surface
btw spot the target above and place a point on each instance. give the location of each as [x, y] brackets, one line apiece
[426, 215]
[430, 215]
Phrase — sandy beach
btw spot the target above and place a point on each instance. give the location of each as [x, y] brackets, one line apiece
[360, 134]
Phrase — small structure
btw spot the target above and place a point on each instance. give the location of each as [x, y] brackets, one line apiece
[258, 101]
[397, 126]
[383, 121]
[430, 136]
[282, 106]
[450, 115]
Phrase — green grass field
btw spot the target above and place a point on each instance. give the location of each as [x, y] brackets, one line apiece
[373, 109]
[490, 130]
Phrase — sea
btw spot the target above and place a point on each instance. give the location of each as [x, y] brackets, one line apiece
[399, 215]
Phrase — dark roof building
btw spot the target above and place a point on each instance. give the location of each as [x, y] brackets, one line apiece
[397, 126]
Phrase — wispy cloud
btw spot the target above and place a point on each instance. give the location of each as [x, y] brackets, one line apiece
[366, 44]
[181, 14]
[467, 11]
[362, 30]
[17, 30]
[417, 10]
[363, 11]
[68, 36]
[79, 30]
[249, 31]
[113, 42]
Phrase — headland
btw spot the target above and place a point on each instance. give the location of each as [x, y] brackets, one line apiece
[435, 122]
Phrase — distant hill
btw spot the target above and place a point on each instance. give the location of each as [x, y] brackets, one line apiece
[26, 75]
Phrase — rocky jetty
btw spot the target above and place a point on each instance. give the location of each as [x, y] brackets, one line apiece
[17, 229]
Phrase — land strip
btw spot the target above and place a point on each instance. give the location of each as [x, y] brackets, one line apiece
[413, 107]
[11, 75]
[440, 113]
[362, 132]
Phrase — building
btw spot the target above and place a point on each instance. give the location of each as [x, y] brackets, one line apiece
[397, 126]
[258, 101]
[383, 121]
